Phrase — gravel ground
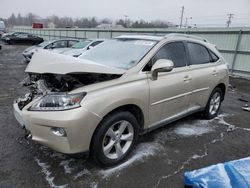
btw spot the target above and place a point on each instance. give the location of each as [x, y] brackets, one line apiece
[159, 160]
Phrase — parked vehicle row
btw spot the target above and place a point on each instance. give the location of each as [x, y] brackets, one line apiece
[71, 47]
[101, 101]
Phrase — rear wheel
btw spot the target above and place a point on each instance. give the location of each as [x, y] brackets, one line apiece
[213, 105]
[115, 138]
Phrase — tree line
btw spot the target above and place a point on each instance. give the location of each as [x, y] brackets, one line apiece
[84, 22]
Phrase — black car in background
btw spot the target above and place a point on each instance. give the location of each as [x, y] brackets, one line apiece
[21, 38]
[11, 33]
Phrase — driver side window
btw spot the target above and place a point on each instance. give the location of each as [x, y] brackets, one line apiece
[174, 51]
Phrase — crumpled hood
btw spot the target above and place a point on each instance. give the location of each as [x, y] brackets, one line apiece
[73, 52]
[45, 61]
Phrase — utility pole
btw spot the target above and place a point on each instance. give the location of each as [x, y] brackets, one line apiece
[229, 21]
[182, 13]
[186, 22]
[126, 20]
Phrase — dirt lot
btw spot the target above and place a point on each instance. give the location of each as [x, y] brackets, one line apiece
[160, 159]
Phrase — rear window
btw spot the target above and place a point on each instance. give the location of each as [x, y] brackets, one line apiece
[198, 54]
[213, 56]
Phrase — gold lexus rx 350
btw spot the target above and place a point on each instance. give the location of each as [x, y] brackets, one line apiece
[126, 86]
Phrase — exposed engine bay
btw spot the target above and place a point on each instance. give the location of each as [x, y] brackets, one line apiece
[42, 84]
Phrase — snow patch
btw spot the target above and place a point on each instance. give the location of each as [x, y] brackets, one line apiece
[196, 129]
[65, 164]
[93, 185]
[45, 170]
[81, 173]
[142, 152]
[231, 127]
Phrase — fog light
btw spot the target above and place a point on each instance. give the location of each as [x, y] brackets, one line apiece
[58, 131]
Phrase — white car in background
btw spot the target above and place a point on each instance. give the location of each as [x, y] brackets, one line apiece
[60, 44]
[81, 47]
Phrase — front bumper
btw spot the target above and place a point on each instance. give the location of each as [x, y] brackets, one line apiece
[78, 123]
[17, 114]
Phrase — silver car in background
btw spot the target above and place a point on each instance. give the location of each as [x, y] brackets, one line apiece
[82, 46]
[49, 45]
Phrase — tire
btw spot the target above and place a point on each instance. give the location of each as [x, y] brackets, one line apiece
[213, 104]
[11, 42]
[118, 145]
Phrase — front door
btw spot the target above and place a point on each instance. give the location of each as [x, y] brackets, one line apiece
[169, 93]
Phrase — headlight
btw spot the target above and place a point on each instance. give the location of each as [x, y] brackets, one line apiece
[57, 102]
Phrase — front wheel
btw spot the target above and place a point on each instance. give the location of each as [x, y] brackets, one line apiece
[213, 104]
[115, 138]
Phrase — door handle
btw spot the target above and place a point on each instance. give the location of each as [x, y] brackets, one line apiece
[187, 78]
[215, 72]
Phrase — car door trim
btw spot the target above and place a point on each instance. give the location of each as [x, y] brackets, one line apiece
[199, 90]
[171, 98]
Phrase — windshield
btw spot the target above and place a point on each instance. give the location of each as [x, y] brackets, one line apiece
[119, 53]
[81, 44]
[43, 44]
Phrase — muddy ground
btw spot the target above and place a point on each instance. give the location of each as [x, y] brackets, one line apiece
[160, 159]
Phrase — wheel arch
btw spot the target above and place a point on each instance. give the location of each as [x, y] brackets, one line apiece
[222, 86]
[132, 108]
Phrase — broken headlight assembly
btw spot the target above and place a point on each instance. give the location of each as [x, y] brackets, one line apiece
[58, 102]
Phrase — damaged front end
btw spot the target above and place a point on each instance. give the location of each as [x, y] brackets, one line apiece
[41, 85]
[53, 76]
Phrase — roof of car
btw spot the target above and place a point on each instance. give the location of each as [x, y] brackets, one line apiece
[141, 37]
[158, 38]
[62, 39]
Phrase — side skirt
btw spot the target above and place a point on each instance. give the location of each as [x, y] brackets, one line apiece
[172, 119]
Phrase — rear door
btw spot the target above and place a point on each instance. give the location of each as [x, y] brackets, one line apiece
[60, 44]
[169, 92]
[72, 42]
[203, 73]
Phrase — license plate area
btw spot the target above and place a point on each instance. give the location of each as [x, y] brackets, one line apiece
[17, 114]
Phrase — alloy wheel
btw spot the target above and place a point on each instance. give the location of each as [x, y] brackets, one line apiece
[118, 139]
[214, 103]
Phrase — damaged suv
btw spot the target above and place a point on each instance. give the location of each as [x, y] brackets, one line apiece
[126, 86]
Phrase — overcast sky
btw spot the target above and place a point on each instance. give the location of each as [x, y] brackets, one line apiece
[205, 12]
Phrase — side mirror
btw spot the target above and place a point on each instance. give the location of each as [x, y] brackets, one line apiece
[161, 65]
[90, 47]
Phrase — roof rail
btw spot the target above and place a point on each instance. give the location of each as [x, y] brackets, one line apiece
[185, 35]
